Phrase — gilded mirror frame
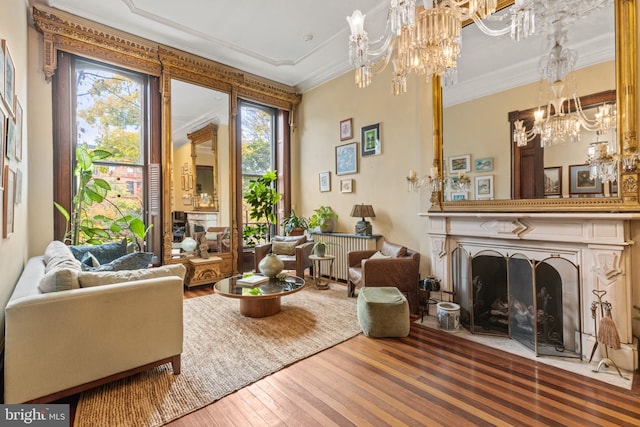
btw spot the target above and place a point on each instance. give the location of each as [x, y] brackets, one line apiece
[205, 134]
[626, 86]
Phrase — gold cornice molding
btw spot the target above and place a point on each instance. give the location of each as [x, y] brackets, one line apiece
[69, 33]
[72, 34]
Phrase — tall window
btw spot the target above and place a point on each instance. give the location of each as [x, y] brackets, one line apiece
[107, 108]
[258, 132]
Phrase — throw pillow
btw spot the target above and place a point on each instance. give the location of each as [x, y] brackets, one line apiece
[393, 250]
[104, 253]
[61, 279]
[58, 255]
[379, 255]
[133, 261]
[89, 278]
[90, 260]
[284, 248]
[211, 235]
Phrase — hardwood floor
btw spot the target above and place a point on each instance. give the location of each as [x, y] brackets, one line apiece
[429, 378]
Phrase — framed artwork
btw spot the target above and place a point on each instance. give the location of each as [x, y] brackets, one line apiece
[9, 79]
[9, 195]
[325, 181]
[370, 139]
[18, 131]
[580, 181]
[347, 159]
[553, 181]
[3, 140]
[458, 195]
[484, 187]
[10, 148]
[2, 44]
[346, 129]
[18, 186]
[453, 182]
[460, 163]
[346, 185]
[483, 165]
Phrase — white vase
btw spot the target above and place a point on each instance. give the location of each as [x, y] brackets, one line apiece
[270, 265]
[188, 244]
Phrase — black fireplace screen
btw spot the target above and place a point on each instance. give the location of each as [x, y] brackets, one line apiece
[534, 302]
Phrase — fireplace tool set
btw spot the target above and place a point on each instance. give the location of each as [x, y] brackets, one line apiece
[606, 333]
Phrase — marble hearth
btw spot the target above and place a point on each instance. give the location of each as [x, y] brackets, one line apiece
[601, 245]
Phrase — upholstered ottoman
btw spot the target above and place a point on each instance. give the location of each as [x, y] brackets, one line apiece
[383, 312]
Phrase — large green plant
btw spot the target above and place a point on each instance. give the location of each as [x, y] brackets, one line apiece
[80, 227]
[323, 217]
[262, 197]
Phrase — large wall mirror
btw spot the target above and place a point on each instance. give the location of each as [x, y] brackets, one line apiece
[498, 77]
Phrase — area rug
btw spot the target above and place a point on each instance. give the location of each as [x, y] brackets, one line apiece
[223, 352]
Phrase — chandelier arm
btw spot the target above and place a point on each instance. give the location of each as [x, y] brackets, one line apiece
[489, 31]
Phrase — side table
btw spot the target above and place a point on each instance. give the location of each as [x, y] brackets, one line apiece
[317, 262]
[202, 271]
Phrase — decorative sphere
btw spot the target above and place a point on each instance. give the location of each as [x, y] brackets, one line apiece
[270, 265]
[188, 244]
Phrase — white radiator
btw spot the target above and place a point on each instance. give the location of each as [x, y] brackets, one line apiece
[339, 246]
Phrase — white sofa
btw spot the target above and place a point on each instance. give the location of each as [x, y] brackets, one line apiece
[61, 343]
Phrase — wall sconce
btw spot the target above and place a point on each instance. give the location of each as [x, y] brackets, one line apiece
[434, 180]
[363, 227]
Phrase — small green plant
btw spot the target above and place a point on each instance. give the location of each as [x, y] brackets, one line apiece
[95, 230]
[320, 247]
[262, 198]
[325, 218]
[294, 221]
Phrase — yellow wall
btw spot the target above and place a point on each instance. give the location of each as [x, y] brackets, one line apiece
[13, 250]
[405, 127]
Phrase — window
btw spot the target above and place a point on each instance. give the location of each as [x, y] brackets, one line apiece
[107, 108]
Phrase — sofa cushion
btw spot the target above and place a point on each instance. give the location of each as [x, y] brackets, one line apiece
[104, 253]
[132, 261]
[379, 255]
[57, 255]
[61, 279]
[284, 248]
[393, 250]
[298, 239]
[88, 279]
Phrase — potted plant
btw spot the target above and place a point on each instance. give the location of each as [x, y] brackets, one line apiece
[324, 218]
[294, 225]
[320, 247]
[262, 197]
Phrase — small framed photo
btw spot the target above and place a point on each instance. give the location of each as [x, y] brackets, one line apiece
[346, 185]
[3, 141]
[10, 148]
[483, 165]
[484, 187]
[371, 142]
[18, 186]
[2, 44]
[18, 131]
[9, 79]
[553, 181]
[347, 159]
[460, 163]
[458, 195]
[9, 197]
[325, 181]
[580, 181]
[346, 129]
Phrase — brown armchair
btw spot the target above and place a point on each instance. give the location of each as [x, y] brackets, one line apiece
[396, 266]
[294, 251]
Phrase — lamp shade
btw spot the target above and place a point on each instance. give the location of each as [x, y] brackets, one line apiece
[363, 211]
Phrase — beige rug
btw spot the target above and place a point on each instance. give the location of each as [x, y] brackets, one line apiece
[223, 352]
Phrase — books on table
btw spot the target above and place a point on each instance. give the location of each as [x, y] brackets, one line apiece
[252, 280]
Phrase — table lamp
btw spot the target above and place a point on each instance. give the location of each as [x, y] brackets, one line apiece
[363, 227]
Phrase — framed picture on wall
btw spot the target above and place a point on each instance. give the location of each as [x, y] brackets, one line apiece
[460, 163]
[9, 196]
[9, 79]
[483, 165]
[3, 141]
[371, 142]
[484, 187]
[2, 43]
[18, 131]
[346, 185]
[553, 181]
[458, 195]
[325, 181]
[346, 129]
[580, 181]
[347, 159]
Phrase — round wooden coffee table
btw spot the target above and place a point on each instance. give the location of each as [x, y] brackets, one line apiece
[259, 300]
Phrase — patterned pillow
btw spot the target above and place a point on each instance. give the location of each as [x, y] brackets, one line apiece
[132, 261]
[104, 253]
[61, 279]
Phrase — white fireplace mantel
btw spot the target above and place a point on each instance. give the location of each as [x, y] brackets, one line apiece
[601, 244]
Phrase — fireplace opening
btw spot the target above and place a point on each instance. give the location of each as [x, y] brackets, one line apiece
[535, 302]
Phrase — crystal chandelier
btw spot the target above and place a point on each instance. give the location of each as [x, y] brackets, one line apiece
[554, 121]
[603, 162]
[426, 39]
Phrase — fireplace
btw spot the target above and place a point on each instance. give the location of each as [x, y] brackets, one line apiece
[530, 276]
